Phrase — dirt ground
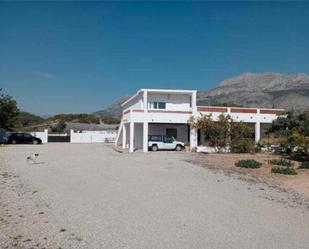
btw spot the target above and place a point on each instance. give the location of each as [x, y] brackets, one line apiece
[226, 161]
[89, 196]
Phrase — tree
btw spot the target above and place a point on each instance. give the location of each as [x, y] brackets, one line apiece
[60, 127]
[80, 118]
[293, 131]
[241, 137]
[224, 131]
[25, 119]
[299, 141]
[219, 131]
[8, 112]
[110, 120]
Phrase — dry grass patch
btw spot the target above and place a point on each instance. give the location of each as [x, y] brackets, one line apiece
[226, 162]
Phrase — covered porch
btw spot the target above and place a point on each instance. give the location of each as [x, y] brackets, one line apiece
[135, 134]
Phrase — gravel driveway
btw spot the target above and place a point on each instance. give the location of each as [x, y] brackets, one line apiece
[90, 196]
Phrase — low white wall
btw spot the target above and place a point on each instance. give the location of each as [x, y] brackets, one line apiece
[93, 136]
[209, 149]
[42, 135]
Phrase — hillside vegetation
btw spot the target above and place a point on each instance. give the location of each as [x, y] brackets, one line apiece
[57, 123]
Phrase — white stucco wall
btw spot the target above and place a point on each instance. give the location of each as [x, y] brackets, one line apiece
[180, 107]
[176, 102]
[245, 117]
[42, 135]
[158, 117]
[135, 103]
[93, 136]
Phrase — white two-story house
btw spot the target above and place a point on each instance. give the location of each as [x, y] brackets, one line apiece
[166, 112]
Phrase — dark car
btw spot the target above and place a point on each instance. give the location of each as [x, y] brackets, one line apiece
[23, 138]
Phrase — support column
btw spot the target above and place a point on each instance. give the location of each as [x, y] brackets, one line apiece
[131, 147]
[202, 136]
[71, 136]
[193, 101]
[124, 136]
[145, 99]
[45, 136]
[257, 131]
[145, 137]
[193, 138]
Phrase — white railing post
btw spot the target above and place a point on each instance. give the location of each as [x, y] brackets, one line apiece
[193, 138]
[145, 101]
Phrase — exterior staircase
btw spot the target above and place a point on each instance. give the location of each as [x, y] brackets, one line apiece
[119, 132]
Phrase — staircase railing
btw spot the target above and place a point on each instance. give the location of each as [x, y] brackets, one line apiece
[119, 132]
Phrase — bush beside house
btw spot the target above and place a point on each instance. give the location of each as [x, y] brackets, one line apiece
[224, 132]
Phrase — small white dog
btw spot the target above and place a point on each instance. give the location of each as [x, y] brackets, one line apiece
[32, 158]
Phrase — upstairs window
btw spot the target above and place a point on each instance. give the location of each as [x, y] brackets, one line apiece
[159, 105]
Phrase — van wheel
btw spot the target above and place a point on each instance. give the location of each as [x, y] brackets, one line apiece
[154, 147]
[35, 142]
[178, 147]
[13, 141]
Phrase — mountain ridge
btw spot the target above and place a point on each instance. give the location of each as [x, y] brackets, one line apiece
[264, 90]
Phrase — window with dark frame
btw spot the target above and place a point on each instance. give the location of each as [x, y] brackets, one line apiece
[155, 138]
[159, 105]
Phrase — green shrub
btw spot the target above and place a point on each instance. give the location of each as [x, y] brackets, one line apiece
[304, 165]
[249, 163]
[285, 171]
[259, 146]
[281, 162]
[242, 145]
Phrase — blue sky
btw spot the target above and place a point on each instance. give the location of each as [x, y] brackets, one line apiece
[61, 57]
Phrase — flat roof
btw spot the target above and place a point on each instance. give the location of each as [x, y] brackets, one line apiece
[158, 91]
[168, 90]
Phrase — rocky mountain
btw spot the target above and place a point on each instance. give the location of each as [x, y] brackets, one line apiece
[269, 90]
[261, 90]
